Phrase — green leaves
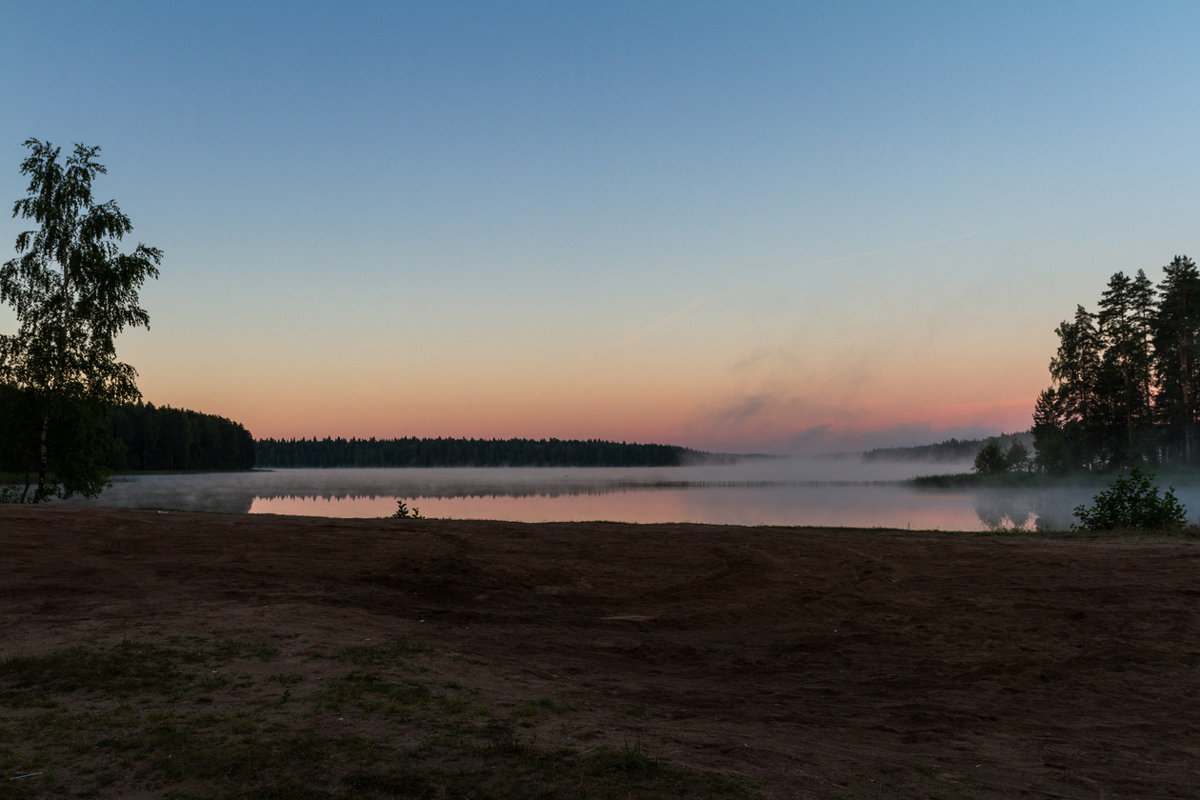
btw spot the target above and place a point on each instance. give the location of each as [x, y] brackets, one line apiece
[73, 292]
[1132, 501]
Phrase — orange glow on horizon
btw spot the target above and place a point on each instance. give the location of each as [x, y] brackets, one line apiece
[764, 406]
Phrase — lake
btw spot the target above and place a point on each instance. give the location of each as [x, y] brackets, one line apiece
[793, 491]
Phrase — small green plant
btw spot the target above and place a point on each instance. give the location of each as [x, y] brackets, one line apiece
[404, 512]
[633, 761]
[1132, 501]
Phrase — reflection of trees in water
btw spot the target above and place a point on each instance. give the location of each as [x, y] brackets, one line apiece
[235, 493]
[498, 491]
[1004, 516]
[1030, 511]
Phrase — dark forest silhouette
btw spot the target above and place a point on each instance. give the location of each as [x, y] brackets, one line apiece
[948, 450]
[1126, 379]
[176, 439]
[139, 437]
[457, 452]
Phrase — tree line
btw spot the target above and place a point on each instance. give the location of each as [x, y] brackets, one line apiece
[451, 452]
[948, 450]
[177, 439]
[127, 437]
[1125, 380]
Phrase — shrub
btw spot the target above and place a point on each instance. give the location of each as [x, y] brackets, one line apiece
[404, 512]
[1132, 501]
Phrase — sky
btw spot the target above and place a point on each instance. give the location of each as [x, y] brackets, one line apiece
[769, 226]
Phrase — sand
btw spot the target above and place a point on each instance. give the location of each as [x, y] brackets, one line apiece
[819, 663]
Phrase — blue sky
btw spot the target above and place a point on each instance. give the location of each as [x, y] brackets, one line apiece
[792, 225]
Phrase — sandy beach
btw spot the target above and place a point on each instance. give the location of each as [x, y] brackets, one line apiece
[808, 663]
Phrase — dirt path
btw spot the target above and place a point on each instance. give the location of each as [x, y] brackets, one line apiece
[823, 663]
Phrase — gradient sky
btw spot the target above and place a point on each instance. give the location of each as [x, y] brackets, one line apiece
[733, 226]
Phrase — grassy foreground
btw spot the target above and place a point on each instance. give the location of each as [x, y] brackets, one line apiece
[191, 718]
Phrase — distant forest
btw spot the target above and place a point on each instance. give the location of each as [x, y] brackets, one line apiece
[949, 450]
[441, 452]
[143, 437]
[175, 439]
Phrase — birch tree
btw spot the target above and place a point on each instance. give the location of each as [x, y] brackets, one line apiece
[73, 292]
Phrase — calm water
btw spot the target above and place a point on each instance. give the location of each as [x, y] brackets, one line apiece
[829, 491]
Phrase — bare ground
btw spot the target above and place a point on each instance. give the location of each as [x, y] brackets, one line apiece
[811, 663]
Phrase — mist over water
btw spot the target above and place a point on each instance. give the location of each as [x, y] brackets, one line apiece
[816, 491]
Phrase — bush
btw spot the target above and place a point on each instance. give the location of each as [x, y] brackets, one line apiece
[404, 512]
[1132, 502]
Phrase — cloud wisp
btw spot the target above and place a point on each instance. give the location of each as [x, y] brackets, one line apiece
[698, 301]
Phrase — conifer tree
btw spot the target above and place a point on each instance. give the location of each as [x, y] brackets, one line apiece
[1124, 380]
[1176, 337]
[1075, 370]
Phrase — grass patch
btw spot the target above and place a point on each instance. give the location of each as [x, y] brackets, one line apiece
[146, 717]
[372, 693]
[532, 708]
[389, 651]
[124, 669]
[633, 760]
[120, 670]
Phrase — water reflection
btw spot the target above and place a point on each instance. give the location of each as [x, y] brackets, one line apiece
[782, 492]
[1029, 509]
[1005, 515]
[855, 505]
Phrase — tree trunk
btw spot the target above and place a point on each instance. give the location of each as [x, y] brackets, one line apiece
[43, 459]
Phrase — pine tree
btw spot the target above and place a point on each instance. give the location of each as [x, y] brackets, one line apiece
[1124, 380]
[1176, 336]
[1050, 435]
[1075, 370]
